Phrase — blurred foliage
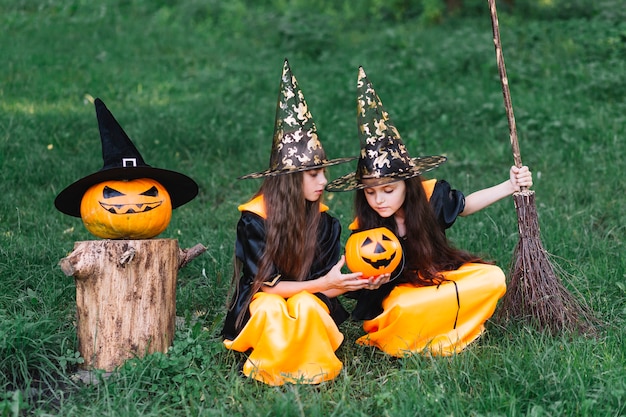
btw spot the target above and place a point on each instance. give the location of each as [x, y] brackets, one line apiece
[236, 13]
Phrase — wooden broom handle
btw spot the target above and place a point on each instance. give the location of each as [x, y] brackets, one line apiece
[505, 84]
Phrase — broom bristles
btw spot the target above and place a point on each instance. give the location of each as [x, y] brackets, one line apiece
[535, 294]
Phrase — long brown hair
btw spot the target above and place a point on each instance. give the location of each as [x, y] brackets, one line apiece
[427, 249]
[290, 233]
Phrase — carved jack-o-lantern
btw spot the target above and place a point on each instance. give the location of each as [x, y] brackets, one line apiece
[127, 209]
[373, 252]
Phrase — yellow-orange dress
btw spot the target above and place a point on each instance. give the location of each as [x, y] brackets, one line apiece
[403, 318]
[286, 340]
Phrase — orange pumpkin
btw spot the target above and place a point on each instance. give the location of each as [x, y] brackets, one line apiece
[126, 209]
[373, 252]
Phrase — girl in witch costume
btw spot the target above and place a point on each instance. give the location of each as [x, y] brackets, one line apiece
[440, 301]
[284, 311]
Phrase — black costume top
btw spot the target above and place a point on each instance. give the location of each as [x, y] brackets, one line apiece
[447, 205]
[249, 248]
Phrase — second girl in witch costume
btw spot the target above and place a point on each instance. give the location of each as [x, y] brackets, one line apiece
[284, 312]
[443, 296]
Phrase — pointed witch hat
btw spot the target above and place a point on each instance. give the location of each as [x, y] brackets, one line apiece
[295, 146]
[384, 157]
[122, 161]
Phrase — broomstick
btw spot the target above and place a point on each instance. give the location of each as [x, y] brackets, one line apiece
[535, 294]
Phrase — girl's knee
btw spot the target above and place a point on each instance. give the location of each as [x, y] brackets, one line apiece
[306, 301]
[267, 302]
[495, 277]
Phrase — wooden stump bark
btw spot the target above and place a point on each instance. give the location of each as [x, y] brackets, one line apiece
[125, 297]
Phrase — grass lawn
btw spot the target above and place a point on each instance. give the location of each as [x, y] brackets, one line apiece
[194, 84]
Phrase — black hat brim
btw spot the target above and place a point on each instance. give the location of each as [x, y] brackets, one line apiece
[274, 172]
[350, 182]
[180, 187]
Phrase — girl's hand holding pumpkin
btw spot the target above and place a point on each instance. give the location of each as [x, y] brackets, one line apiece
[374, 283]
[335, 280]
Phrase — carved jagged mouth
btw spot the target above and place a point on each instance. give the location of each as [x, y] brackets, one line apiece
[130, 208]
[381, 263]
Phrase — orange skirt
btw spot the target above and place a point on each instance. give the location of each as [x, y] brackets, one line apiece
[441, 320]
[292, 340]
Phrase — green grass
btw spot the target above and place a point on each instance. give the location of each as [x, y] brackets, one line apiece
[195, 86]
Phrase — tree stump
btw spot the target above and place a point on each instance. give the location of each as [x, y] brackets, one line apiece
[125, 297]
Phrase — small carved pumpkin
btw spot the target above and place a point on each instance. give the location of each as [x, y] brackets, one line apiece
[373, 252]
[126, 209]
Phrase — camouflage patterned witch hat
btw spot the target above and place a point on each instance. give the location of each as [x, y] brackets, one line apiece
[383, 157]
[295, 146]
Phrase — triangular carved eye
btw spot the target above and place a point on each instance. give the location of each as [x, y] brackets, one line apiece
[109, 192]
[152, 192]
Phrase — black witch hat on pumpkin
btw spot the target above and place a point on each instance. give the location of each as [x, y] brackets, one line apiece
[384, 157]
[295, 146]
[122, 161]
